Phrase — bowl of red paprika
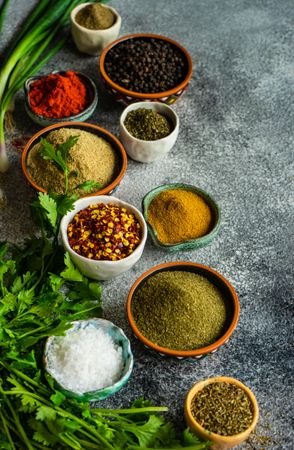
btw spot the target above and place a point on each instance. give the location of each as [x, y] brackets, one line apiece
[60, 96]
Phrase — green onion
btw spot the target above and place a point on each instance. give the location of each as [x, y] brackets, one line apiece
[29, 52]
[3, 11]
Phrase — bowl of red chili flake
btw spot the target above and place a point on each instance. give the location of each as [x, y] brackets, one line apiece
[60, 96]
[104, 236]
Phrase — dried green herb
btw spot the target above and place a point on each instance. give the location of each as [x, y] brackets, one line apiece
[179, 310]
[222, 408]
[147, 124]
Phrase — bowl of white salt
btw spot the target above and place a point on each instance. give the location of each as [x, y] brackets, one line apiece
[92, 361]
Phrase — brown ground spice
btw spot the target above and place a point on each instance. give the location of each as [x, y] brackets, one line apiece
[95, 17]
[91, 158]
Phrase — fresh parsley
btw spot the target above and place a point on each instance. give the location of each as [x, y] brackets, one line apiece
[41, 292]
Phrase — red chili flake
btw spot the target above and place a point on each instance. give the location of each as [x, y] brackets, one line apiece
[104, 232]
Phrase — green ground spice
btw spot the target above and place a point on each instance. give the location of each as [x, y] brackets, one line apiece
[95, 17]
[222, 408]
[179, 310]
[147, 124]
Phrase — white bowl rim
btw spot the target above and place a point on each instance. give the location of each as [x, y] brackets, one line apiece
[136, 106]
[100, 199]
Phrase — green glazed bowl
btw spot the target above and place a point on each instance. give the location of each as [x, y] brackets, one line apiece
[119, 339]
[44, 121]
[190, 244]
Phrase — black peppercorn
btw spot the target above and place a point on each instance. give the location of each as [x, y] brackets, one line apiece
[146, 65]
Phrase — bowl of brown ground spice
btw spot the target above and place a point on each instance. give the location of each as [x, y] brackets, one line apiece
[94, 26]
[97, 155]
[222, 410]
[181, 217]
[182, 310]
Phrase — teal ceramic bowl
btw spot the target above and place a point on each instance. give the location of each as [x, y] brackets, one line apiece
[81, 117]
[119, 338]
[191, 244]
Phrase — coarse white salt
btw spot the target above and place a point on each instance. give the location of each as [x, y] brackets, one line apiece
[85, 360]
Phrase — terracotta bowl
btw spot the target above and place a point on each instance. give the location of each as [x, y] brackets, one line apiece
[219, 442]
[214, 277]
[99, 131]
[125, 96]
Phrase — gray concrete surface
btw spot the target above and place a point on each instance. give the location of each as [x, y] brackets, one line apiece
[236, 142]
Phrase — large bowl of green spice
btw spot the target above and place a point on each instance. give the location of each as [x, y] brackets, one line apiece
[222, 410]
[182, 310]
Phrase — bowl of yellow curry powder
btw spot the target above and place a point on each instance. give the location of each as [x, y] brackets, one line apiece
[181, 217]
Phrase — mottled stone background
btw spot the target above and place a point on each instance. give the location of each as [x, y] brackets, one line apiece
[236, 142]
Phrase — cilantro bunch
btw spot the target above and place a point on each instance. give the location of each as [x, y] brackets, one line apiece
[41, 292]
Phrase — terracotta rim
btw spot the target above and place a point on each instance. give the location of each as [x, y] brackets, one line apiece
[134, 94]
[184, 353]
[210, 435]
[40, 133]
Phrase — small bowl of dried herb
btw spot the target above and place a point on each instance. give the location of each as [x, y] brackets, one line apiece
[182, 310]
[60, 97]
[222, 410]
[145, 66]
[104, 236]
[181, 217]
[148, 130]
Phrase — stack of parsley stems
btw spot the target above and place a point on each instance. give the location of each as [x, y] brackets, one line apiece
[29, 52]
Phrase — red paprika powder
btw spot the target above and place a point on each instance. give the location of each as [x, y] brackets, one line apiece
[57, 95]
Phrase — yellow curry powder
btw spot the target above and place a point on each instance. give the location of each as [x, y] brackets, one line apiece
[178, 215]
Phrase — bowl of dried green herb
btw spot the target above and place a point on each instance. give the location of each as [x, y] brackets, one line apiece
[182, 310]
[148, 130]
[223, 410]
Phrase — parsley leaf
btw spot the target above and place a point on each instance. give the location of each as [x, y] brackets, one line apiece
[49, 205]
[71, 273]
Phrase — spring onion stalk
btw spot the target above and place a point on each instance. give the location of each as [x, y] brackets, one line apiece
[3, 11]
[29, 53]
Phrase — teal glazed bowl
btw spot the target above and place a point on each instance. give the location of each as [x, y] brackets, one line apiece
[119, 338]
[44, 121]
[190, 244]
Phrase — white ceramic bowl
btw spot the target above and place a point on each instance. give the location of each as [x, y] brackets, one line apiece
[149, 151]
[102, 270]
[92, 42]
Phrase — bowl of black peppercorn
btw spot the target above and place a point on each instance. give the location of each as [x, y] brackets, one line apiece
[142, 67]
